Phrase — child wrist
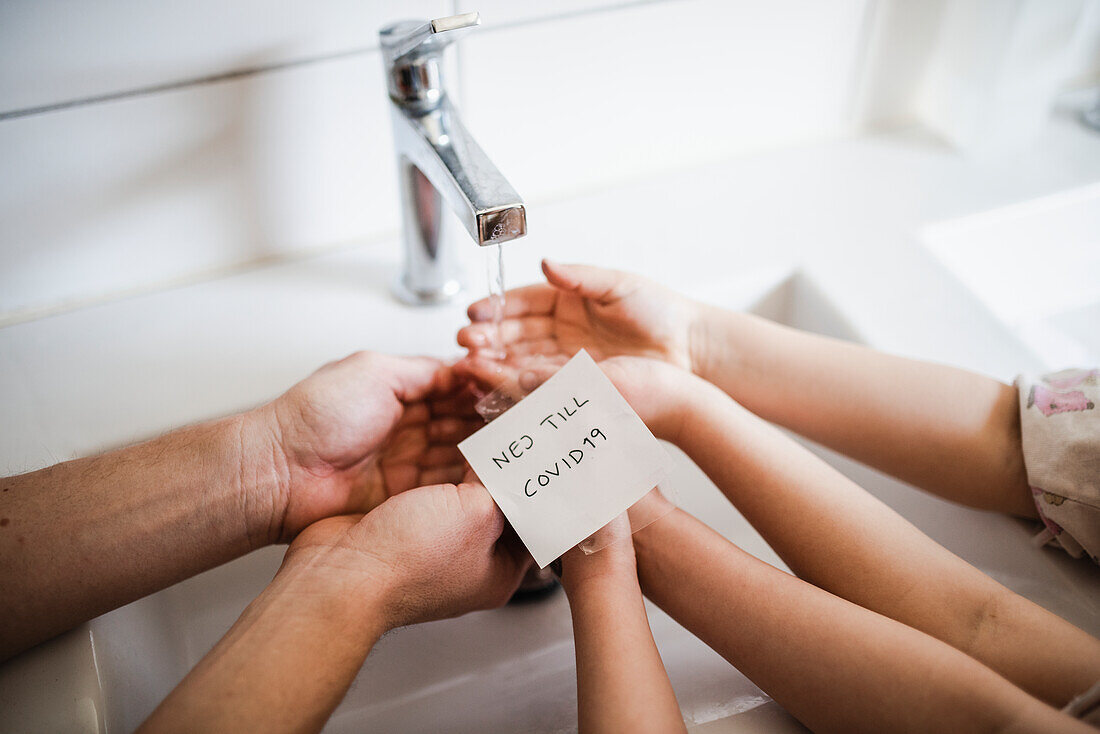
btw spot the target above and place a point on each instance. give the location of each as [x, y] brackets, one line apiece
[700, 338]
[604, 582]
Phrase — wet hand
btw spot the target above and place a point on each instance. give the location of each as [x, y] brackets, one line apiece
[657, 391]
[358, 431]
[606, 312]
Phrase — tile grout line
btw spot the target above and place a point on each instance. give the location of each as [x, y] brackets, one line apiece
[292, 63]
[182, 83]
[579, 13]
[859, 81]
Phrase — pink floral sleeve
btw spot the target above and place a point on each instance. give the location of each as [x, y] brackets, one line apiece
[1060, 423]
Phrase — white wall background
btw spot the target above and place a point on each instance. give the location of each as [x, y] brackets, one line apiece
[147, 144]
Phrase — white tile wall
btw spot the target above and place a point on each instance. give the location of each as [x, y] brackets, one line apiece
[949, 64]
[590, 99]
[996, 69]
[113, 197]
[53, 51]
[101, 199]
[902, 38]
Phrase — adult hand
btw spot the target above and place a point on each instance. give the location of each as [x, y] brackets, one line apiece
[606, 312]
[428, 553]
[356, 432]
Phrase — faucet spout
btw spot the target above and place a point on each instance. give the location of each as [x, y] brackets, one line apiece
[438, 145]
[439, 162]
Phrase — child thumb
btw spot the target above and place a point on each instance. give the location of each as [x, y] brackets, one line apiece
[588, 281]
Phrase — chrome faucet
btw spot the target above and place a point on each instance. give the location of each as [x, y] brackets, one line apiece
[438, 160]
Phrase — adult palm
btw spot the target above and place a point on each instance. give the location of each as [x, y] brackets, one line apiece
[361, 430]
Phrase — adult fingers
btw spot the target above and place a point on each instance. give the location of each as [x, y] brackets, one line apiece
[460, 405]
[478, 509]
[442, 456]
[443, 474]
[452, 430]
[411, 378]
[414, 414]
[405, 445]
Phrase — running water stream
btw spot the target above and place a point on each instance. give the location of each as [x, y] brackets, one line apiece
[499, 399]
[494, 274]
[536, 583]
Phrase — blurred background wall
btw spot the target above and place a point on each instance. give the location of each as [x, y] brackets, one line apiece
[149, 144]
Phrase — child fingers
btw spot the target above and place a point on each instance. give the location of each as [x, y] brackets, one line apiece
[475, 336]
[529, 300]
[530, 377]
[536, 347]
[513, 330]
[527, 329]
[487, 373]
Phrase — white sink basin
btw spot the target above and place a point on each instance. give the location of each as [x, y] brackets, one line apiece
[1036, 266]
[510, 669]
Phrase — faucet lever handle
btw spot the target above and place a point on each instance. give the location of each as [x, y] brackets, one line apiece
[411, 36]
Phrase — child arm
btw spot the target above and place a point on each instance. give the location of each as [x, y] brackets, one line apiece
[621, 681]
[839, 537]
[949, 431]
[832, 664]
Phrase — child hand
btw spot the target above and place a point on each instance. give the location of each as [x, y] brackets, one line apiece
[657, 391]
[607, 312]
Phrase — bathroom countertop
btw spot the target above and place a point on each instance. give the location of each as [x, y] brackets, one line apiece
[849, 213]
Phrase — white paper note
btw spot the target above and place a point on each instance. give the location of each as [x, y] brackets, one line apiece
[566, 460]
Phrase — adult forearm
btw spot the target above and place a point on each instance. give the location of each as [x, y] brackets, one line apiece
[285, 664]
[834, 665]
[949, 431]
[86, 536]
[837, 536]
[621, 681]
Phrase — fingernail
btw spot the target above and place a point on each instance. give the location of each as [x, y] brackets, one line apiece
[480, 340]
[529, 380]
